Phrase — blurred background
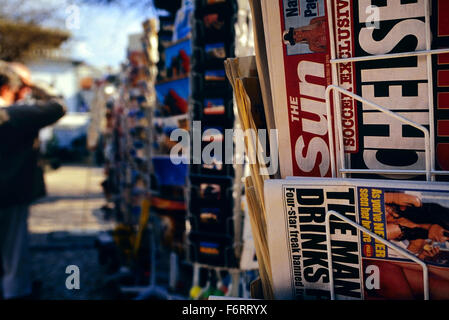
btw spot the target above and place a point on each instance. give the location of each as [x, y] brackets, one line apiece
[72, 47]
[116, 207]
[69, 45]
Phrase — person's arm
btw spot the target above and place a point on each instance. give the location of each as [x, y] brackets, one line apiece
[31, 118]
[316, 48]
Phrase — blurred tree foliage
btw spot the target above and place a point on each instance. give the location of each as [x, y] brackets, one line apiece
[169, 5]
[21, 30]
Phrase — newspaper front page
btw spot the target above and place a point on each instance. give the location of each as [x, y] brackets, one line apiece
[413, 216]
[298, 40]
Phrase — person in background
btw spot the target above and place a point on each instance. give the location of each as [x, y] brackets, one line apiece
[24, 110]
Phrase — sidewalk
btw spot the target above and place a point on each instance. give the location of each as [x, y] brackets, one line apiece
[73, 193]
[63, 227]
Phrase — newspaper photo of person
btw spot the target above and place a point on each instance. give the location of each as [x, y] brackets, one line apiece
[422, 227]
[314, 35]
[404, 281]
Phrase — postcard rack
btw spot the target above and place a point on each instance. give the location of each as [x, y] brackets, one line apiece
[216, 245]
[338, 159]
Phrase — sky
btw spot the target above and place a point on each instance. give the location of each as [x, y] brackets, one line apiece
[100, 33]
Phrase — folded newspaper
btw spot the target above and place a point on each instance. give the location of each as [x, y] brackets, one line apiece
[241, 74]
[412, 216]
[301, 44]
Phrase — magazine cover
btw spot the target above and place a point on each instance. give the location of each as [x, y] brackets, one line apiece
[296, 36]
[412, 215]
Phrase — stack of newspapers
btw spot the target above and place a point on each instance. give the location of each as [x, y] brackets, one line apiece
[345, 108]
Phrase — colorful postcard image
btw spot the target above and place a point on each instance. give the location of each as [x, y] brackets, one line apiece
[209, 215]
[162, 142]
[214, 22]
[214, 107]
[210, 191]
[214, 75]
[182, 22]
[216, 50]
[209, 248]
[167, 173]
[215, 165]
[212, 134]
[177, 59]
[163, 127]
[172, 97]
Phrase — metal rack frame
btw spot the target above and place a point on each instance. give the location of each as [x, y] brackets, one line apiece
[429, 134]
[338, 164]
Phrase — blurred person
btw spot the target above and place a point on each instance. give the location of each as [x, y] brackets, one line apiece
[21, 182]
[25, 91]
[9, 85]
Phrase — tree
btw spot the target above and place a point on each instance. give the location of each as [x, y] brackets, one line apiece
[169, 5]
[21, 30]
[27, 12]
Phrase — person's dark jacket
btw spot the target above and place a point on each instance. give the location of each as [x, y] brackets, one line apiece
[19, 127]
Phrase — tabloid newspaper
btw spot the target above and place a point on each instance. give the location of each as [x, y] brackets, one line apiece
[412, 215]
[298, 48]
[299, 74]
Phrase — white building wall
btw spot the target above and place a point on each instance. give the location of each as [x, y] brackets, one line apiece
[61, 75]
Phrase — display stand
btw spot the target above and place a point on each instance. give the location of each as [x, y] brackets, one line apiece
[338, 165]
[170, 86]
[214, 234]
[429, 138]
[215, 217]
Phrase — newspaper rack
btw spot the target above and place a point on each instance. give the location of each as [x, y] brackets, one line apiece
[429, 135]
[343, 170]
[338, 167]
